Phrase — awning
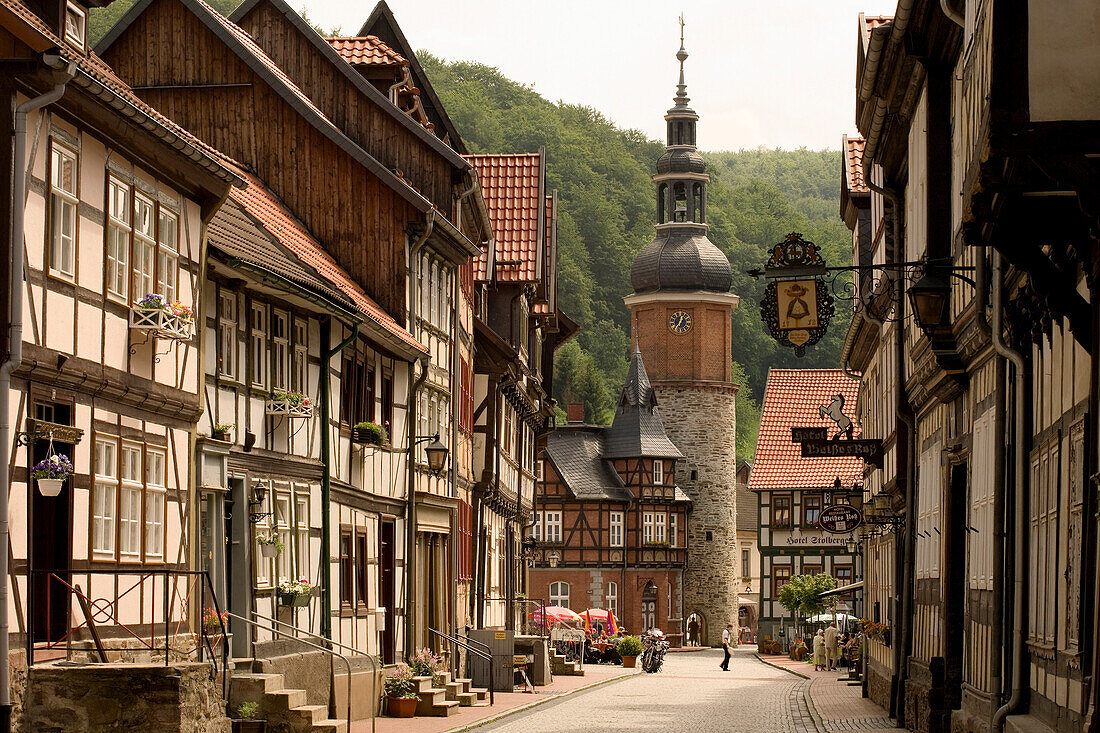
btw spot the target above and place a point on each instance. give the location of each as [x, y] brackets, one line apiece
[842, 589]
[747, 601]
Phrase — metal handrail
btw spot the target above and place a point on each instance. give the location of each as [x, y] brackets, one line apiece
[476, 652]
[330, 652]
[373, 661]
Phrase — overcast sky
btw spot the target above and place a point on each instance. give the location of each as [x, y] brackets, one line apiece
[772, 73]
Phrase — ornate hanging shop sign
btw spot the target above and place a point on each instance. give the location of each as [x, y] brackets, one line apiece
[840, 518]
[797, 306]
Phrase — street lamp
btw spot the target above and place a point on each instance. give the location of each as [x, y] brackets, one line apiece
[928, 297]
[435, 451]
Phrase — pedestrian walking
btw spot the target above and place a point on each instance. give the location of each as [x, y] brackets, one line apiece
[819, 651]
[693, 631]
[726, 639]
[832, 646]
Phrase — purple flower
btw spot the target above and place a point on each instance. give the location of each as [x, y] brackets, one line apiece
[54, 467]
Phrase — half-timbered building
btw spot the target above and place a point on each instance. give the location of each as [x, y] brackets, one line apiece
[792, 491]
[611, 525]
[111, 204]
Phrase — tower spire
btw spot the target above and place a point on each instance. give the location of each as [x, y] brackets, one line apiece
[681, 98]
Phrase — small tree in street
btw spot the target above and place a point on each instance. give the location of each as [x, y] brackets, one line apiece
[802, 594]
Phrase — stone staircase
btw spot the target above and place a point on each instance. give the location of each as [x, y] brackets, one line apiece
[467, 696]
[281, 706]
[433, 700]
[559, 665]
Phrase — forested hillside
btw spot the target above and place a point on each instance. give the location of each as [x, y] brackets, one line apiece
[606, 215]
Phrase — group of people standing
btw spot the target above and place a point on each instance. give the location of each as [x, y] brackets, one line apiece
[830, 646]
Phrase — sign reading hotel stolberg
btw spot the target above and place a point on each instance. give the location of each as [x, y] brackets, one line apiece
[808, 538]
[840, 519]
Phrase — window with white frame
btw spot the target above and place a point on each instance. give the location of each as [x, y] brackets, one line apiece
[283, 526]
[118, 239]
[104, 498]
[301, 354]
[553, 527]
[540, 468]
[612, 597]
[227, 333]
[559, 593]
[155, 490]
[673, 539]
[301, 524]
[144, 256]
[280, 350]
[658, 472]
[659, 527]
[615, 529]
[647, 527]
[130, 495]
[168, 254]
[980, 555]
[536, 528]
[76, 23]
[63, 210]
[258, 341]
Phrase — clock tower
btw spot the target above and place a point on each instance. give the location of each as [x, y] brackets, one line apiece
[681, 311]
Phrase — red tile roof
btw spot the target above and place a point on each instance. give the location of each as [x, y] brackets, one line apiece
[510, 184]
[266, 207]
[854, 168]
[366, 51]
[870, 22]
[792, 399]
[97, 69]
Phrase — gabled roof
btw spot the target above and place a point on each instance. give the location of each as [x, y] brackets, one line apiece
[576, 454]
[311, 266]
[637, 429]
[748, 511]
[449, 151]
[365, 51]
[513, 188]
[793, 398]
[382, 24]
[238, 41]
[99, 73]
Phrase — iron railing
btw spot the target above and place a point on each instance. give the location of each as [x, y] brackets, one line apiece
[471, 650]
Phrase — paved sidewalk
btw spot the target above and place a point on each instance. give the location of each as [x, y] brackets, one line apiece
[836, 706]
[506, 703]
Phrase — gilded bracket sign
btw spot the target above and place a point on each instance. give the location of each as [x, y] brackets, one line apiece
[797, 306]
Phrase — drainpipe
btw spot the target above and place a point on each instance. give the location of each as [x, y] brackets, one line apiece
[410, 428]
[1019, 537]
[456, 377]
[15, 356]
[326, 472]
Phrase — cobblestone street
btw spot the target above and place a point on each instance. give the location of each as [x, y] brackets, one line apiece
[689, 694]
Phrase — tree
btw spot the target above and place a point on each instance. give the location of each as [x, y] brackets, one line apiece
[802, 594]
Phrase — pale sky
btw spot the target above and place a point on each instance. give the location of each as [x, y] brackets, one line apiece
[772, 73]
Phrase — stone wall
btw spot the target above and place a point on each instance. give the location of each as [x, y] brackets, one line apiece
[879, 684]
[179, 698]
[701, 419]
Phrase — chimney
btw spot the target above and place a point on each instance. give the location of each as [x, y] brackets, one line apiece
[575, 412]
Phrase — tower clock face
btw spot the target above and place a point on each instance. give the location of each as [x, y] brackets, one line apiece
[679, 322]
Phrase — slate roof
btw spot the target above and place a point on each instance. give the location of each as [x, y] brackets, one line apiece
[311, 265]
[853, 168]
[748, 510]
[576, 454]
[512, 187]
[99, 71]
[637, 429]
[792, 399]
[366, 51]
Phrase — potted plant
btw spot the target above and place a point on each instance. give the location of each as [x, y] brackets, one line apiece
[369, 433]
[246, 721]
[221, 431]
[295, 593]
[51, 472]
[290, 403]
[401, 697]
[270, 544]
[425, 663]
[629, 648]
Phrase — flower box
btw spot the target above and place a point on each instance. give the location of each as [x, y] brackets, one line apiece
[289, 404]
[369, 433]
[295, 600]
[163, 320]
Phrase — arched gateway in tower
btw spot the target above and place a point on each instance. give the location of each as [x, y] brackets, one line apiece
[681, 310]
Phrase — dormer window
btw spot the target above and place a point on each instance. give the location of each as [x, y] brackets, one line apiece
[76, 24]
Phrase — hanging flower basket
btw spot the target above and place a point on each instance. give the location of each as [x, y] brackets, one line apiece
[270, 544]
[163, 319]
[295, 593]
[289, 404]
[51, 473]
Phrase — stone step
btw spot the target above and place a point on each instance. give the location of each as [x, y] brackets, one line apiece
[438, 709]
[465, 699]
[242, 664]
[283, 700]
[466, 683]
[454, 689]
[481, 692]
[307, 715]
[423, 684]
[252, 686]
[330, 725]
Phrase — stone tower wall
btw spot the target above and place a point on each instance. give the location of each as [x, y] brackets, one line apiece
[701, 420]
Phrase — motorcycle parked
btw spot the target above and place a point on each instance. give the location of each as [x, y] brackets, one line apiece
[654, 647]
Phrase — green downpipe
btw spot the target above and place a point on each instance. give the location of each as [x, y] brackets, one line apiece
[326, 477]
